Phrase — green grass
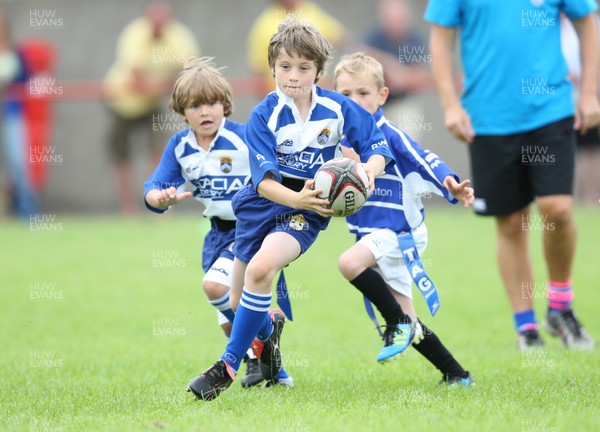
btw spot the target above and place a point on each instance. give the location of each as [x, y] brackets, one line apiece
[104, 322]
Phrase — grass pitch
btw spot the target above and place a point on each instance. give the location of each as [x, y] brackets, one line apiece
[104, 322]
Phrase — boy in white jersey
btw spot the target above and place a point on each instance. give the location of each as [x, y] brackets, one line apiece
[392, 218]
[211, 155]
[290, 134]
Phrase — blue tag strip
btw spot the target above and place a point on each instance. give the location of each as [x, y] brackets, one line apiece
[283, 297]
[371, 313]
[417, 271]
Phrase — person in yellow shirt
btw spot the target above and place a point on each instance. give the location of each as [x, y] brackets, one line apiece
[151, 50]
[266, 24]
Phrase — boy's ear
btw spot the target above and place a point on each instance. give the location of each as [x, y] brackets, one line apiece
[383, 95]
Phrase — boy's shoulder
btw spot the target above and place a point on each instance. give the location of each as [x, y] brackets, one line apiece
[400, 141]
[335, 96]
[231, 136]
[265, 107]
[328, 98]
[235, 127]
[345, 104]
[179, 136]
[391, 130]
[273, 99]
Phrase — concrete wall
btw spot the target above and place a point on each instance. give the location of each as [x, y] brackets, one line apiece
[85, 32]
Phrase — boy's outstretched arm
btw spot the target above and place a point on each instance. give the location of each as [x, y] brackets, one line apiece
[461, 191]
[163, 198]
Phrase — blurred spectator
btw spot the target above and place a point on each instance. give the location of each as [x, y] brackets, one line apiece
[150, 52]
[266, 24]
[404, 54]
[587, 174]
[26, 85]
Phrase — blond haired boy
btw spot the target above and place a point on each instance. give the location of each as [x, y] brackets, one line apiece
[391, 234]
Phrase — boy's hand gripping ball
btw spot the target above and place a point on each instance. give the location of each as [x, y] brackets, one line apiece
[344, 183]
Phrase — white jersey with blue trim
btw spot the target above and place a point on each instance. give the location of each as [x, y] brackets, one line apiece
[396, 200]
[283, 144]
[215, 175]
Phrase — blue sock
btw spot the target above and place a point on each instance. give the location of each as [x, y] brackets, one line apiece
[266, 329]
[229, 314]
[223, 306]
[249, 319]
[525, 321]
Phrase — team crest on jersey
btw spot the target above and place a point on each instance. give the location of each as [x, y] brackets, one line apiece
[226, 164]
[323, 137]
[297, 222]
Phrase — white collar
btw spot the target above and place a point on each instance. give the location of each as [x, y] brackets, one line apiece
[190, 138]
[289, 101]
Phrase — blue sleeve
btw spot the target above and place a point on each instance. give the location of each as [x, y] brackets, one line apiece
[167, 173]
[411, 157]
[577, 9]
[261, 147]
[344, 142]
[445, 13]
[362, 134]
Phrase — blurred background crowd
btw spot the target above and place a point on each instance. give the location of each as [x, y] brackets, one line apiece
[85, 86]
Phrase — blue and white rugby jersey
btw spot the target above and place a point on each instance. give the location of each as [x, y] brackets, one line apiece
[216, 175]
[282, 143]
[396, 201]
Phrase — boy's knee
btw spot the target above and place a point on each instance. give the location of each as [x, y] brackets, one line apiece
[260, 271]
[214, 290]
[348, 266]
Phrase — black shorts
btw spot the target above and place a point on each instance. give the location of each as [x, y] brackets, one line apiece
[591, 139]
[510, 171]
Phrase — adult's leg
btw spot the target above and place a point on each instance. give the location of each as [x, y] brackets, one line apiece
[559, 235]
[119, 143]
[514, 263]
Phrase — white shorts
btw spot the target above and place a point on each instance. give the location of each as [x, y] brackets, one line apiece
[220, 272]
[384, 246]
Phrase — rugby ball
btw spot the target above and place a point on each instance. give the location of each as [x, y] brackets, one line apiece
[344, 183]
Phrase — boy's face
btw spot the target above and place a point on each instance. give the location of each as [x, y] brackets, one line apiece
[205, 119]
[295, 75]
[362, 90]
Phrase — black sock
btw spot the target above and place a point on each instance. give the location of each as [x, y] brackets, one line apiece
[438, 355]
[372, 285]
